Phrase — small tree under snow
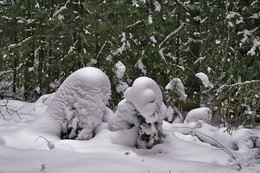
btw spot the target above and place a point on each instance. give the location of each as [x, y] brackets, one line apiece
[77, 107]
[142, 108]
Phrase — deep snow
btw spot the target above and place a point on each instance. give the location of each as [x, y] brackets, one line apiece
[114, 151]
[31, 138]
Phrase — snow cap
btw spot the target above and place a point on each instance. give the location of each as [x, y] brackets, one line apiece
[146, 96]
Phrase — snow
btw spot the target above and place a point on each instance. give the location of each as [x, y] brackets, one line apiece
[150, 19]
[115, 151]
[125, 45]
[217, 42]
[157, 6]
[124, 116]
[31, 143]
[256, 45]
[146, 96]
[143, 110]
[60, 9]
[197, 114]
[141, 66]
[205, 80]
[79, 103]
[120, 69]
[177, 86]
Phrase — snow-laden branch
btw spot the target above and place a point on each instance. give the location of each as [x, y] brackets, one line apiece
[237, 84]
[100, 51]
[87, 8]
[132, 25]
[19, 44]
[172, 33]
[64, 7]
[161, 54]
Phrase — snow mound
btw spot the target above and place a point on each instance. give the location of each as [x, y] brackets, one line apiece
[77, 107]
[197, 114]
[143, 110]
[146, 96]
[124, 117]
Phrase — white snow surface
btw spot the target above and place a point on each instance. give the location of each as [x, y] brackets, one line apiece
[146, 97]
[113, 151]
[80, 102]
[203, 113]
[205, 80]
[124, 116]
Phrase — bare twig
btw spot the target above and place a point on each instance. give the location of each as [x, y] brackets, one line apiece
[9, 110]
[222, 147]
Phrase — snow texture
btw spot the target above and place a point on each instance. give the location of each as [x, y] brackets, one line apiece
[205, 80]
[182, 150]
[146, 96]
[157, 6]
[177, 86]
[77, 107]
[142, 108]
[120, 69]
[197, 114]
[124, 117]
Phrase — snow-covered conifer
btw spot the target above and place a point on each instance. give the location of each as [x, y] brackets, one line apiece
[141, 107]
[78, 106]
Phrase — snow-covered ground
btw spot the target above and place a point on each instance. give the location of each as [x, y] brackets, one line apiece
[114, 152]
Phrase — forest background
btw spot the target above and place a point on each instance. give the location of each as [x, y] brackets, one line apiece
[44, 41]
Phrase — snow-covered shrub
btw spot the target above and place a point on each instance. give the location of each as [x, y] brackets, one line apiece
[142, 107]
[197, 114]
[119, 70]
[78, 106]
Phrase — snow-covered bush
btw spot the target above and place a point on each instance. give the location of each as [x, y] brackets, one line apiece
[197, 114]
[119, 70]
[142, 107]
[78, 106]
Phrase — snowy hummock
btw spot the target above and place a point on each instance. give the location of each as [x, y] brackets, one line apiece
[143, 111]
[197, 114]
[77, 107]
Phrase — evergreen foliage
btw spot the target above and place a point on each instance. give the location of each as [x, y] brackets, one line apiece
[42, 42]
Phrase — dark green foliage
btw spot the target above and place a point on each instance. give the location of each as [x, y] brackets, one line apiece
[42, 42]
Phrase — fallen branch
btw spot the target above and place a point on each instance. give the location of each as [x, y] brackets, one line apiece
[9, 110]
[222, 147]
